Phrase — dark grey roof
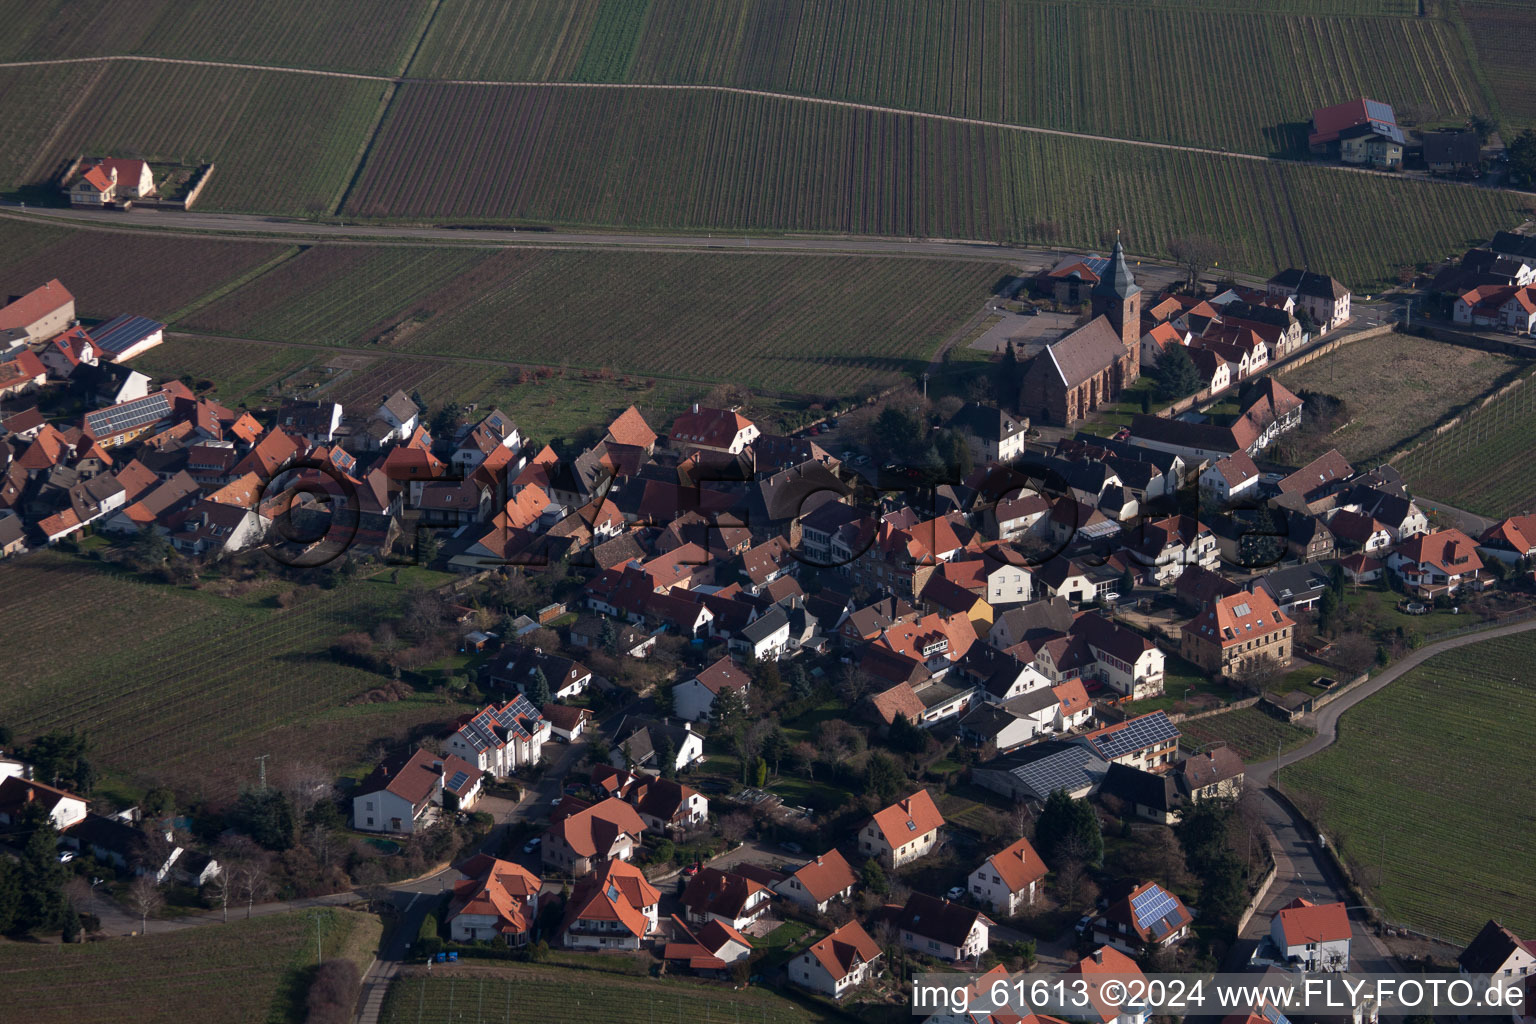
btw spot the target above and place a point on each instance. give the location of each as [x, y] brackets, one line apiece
[1031, 702]
[1452, 147]
[1298, 583]
[1514, 244]
[765, 625]
[1117, 282]
[1043, 768]
[1083, 353]
[1135, 786]
[986, 422]
[1306, 282]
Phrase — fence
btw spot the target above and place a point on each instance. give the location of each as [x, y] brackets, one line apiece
[1237, 705]
[1258, 896]
[1468, 412]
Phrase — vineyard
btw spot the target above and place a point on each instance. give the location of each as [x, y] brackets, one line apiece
[111, 273]
[1258, 74]
[823, 324]
[241, 372]
[706, 161]
[32, 102]
[1395, 386]
[283, 143]
[1410, 779]
[335, 35]
[554, 995]
[1481, 464]
[1501, 33]
[1249, 731]
[232, 973]
[180, 682]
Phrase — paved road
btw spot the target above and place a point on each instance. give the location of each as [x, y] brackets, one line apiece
[1469, 522]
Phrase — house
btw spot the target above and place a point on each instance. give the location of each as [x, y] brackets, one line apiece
[842, 961]
[642, 743]
[518, 667]
[119, 424]
[122, 338]
[150, 852]
[40, 314]
[1355, 531]
[1298, 588]
[13, 539]
[1160, 338]
[902, 832]
[1143, 794]
[631, 429]
[1438, 563]
[1149, 741]
[480, 443]
[1038, 770]
[67, 352]
[717, 430]
[1234, 630]
[726, 896]
[493, 899]
[1318, 479]
[613, 908]
[991, 434]
[1311, 936]
[1013, 722]
[1325, 299]
[1361, 568]
[396, 419]
[21, 374]
[765, 638]
[693, 699]
[584, 840]
[819, 881]
[1500, 954]
[64, 809]
[566, 723]
[1215, 773]
[706, 949]
[1148, 914]
[941, 929]
[1452, 150]
[1362, 131]
[131, 178]
[1230, 479]
[403, 793]
[1112, 1003]
[1510, 540]
[498, 740]
[1006, 881]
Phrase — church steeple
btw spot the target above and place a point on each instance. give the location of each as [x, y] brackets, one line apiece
[1117, 298]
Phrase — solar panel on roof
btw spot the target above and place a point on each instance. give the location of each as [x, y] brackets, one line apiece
[1137, 733]
[1152, 906]
[129, 415]
[1045, 776]
[459, 778]
[124, 332]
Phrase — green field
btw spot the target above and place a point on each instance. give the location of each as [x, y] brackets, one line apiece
[1422, 773]
[1480, 464]
[554, 995]
[997, 60]
[337, 35]
[636, 160]
[187, 686]
[1499, 31]
[1252, 733]
[244, 972]
[282, 143]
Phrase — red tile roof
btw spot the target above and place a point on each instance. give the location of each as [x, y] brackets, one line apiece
[825, 876]
[844, 949]
[908, 818]
[1018, 865]
[1302, 921]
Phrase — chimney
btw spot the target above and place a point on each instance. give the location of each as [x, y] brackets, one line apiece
[384, 770]
[695, 408]
[31, 793]
[1098, 955]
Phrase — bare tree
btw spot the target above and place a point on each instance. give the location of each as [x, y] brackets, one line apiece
[304, 783]
[251, 883]
[1196, 253]
[1257, 674]
[734, 826]
[219, 889]
[1074, 887]
[145, 897]
[322, 844]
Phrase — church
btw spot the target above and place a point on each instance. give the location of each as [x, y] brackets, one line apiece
[1090, 367]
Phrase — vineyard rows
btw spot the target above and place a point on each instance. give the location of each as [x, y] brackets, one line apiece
[1501, 40]
[153, 275]
[554, 996]
[283, 143]
[1410, 778]
[334, 35]
[734, 162]
[1249, 731]
[240, 371]
[1482, 463]
[1257, 74]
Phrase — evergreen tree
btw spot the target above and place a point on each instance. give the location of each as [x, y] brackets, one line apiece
[10, 894]
[40, 876]
[873, 877]
[1068, 826]
[265, 816]
[609, 637]
[1176, 374]
[762, 773]
[906, 737]
[666, 758]
[729, 710]
[883, 777]
[58, 758]
[538, 689]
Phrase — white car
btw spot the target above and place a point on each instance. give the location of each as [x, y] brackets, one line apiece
[958, 892]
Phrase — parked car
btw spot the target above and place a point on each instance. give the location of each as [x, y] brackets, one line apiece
[531, 845]
[791, 847]
[958, 892]
[1082, 924]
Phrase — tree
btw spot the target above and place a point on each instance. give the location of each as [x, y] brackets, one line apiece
[1522, 157]
[159, 802]
[1074, 886]
[150, 549]
[776, 747]
[1196, 253]
[251, 883]
[1327, 613]
[72, 930]
[735, 826]
[267, 817]
[59, 758]
[873, 877]
[804, 757]
[40, 876]
[883, 777]
[219, 890]
[608, 637]
[1257, 674]
[445, 422]
[10, 895]
[729, 710]
[899, 435]
[427, 545]
[1483, 126]
[333, 993]
[1127, 583]
[762, 773]
[538, 690]
[146, 899]
[1067, 826]
[906, 737]
[666, 758]
[1176, 374]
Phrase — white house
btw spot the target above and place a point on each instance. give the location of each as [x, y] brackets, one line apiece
[494, 899]
[396, 419]
[614, 908]
[500, 740]
[1441, 562]
[902, 832]
[1500, 954]
[725, 896]
[495, 430]
[403, 795]
[820, 881]
[1096, 970]
[941, 929]
[720, 430]
[1006, 880]
[838, 963]
[765, 638]
[1008, 583]
[1148, 914]
[1230, 479]
[1312, 936]
[642, 743]
[16, 793]
[1324, 299]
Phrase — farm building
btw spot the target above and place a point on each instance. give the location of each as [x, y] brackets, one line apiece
[39, 314]
[102, 182]
[126, 336]
[1361, 131]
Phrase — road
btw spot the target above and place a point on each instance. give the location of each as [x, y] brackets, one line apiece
[1468, 522]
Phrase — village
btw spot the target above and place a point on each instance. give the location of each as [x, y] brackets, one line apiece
[764, 712]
